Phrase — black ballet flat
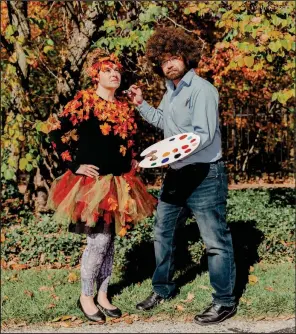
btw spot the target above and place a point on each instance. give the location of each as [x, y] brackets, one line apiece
[99, 316]
[116, 313]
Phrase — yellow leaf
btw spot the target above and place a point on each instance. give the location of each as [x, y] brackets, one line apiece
[23, 163]
[66, 317]
[249, 61]
[251, 269]
[13, 58]
[253, 279]
[21, 138]
[240, 62]
[72, 278]
[47, 48]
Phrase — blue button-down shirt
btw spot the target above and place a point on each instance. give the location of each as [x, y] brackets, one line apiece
[190, 107]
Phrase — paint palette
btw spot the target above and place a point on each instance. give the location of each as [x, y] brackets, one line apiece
[169, 150]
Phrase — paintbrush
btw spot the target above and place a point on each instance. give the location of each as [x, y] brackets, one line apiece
[138, 86]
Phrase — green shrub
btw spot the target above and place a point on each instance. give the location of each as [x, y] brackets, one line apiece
[261, 221]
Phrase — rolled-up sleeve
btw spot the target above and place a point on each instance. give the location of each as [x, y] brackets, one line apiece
[152, 115]
[204, 105]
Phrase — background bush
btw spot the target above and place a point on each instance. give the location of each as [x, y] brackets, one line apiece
[261, 222]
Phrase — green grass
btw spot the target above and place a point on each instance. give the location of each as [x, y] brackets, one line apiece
[273, 295]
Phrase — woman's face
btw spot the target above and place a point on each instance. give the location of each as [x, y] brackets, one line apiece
[109, 76]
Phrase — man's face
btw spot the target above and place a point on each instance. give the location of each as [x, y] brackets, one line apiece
[173, 67]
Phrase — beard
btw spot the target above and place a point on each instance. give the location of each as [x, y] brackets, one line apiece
[175, 74]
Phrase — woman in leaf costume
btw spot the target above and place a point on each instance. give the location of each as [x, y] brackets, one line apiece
[99, 194]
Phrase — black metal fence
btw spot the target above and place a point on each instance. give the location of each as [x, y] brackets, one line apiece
[255, 146]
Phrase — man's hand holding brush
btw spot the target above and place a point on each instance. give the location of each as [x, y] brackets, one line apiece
[135, 94]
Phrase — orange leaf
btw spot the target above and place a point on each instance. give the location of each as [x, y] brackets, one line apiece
[122, 150]
[112, 204]
[66, 156]
[268, 288]
[105, 128]
[122, 232]
[2, 237]
[129, 321]
[72, 278]
[180, 308]
[17, 266]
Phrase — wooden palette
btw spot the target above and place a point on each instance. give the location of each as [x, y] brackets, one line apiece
[169, 150]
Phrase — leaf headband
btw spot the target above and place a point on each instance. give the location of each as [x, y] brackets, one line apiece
[102, 64]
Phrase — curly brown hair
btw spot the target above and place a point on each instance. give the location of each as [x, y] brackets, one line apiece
[175, 42]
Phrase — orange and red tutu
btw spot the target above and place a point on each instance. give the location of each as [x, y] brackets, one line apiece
[120, 199]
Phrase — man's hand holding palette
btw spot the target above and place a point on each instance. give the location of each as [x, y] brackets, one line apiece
[169, 150]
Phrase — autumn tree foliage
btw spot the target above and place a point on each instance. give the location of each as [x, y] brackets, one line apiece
[247, 52]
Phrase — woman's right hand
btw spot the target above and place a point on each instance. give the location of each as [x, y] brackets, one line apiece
[88, 170]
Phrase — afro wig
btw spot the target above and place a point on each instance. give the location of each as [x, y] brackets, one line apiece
[175, 42]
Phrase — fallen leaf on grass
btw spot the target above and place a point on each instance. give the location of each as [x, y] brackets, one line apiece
[2, 237]
[21, 324]
[3, 264]
[129, 321]
[189, 298]
[55, 296]
[51, 306]
[259, 318]
[253, 279]
[245, 300]
[251, 269]
[135, 317]
[203, 287]
[179, 308]
[65, 324]
[269, 288]
[17, 266]
[72, 278]
[56, 319]
[66, 317]
[29, 293]
[115, 320]
[46, 288]
[13, 278]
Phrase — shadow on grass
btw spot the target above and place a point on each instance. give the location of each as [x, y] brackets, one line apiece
[282, 196]
[141, 261]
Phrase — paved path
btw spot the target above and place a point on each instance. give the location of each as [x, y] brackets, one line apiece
[229, 326]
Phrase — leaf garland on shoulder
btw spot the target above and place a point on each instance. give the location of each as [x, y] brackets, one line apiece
[117, 116]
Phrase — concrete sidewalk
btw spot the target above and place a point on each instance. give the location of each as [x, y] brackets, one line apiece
[229, 326]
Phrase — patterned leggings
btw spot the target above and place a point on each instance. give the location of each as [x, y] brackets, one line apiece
[97, 261]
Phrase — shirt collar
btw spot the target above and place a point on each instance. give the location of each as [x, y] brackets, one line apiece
[187, 78]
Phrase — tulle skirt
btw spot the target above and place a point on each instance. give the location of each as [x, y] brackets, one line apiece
[123, 200]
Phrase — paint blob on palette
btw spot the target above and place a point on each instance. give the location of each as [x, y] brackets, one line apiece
[169, 150]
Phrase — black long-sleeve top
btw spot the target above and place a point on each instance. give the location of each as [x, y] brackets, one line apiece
[93, 131]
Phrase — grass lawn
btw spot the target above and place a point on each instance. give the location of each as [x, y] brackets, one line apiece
[36, 295]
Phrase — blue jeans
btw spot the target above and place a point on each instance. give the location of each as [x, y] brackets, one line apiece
[208, 204]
